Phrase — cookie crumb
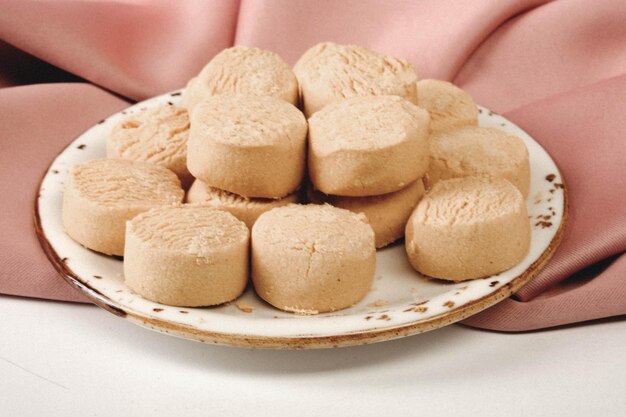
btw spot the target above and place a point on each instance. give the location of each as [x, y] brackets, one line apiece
[244, 306]
[378, 303]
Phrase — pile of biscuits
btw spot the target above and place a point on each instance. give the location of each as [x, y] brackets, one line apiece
[295, 177]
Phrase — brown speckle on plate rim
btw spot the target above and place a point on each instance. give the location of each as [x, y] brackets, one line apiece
[416, 309]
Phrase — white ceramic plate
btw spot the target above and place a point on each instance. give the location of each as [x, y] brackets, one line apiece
[400, 303]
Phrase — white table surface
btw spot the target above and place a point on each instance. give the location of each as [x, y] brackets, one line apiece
[61, 359]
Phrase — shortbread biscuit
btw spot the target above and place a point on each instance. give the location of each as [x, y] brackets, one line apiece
[245, 209]
[368, 146]
[477, 150]
[102, 194]
[312, 259]
[329, 72]
[386, 213]
[251, 146]
[245, 71]
[448, 105]
[467, 228]
[157, 135]
[186, 256]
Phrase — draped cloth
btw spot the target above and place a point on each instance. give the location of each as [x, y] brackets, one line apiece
[557, 69]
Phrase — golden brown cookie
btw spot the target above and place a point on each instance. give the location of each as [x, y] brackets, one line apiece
[448, 105]
[475, 150]
[311, 259]
[467, 228]
[186, 256]
[368, 146]
[102, 194]
[243, 70]
[329, 72]
[251, 146]
[157, 135]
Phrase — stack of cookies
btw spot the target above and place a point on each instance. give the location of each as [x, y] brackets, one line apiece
[350, 130]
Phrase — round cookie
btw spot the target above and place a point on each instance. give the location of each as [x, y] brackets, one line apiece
[246, 71]
[329, 72]
[251, 146]
[312, 259]
[467, 228]
[245, 209]
[367, 146]
[157, 135]
[387, 213]
[448, 105]
[186, 256]
[102, 194]
[478, 150]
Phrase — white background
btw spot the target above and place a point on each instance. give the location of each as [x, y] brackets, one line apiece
[60, 359]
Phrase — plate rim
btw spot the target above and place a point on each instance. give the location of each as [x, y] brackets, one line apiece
[293, 342]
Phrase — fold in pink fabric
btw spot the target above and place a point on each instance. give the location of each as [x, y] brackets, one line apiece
[35, 123]
[557, 69]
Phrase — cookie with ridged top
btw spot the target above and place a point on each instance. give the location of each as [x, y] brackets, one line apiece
[311, 259]
[157, 135]
[251, 146]
[186, 256]
[475, 150]
[467, 228]
[102, 194]
[368, 146]
[243, 70]
[329, 72]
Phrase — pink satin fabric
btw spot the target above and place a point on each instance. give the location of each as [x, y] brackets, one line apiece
[558, 69]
